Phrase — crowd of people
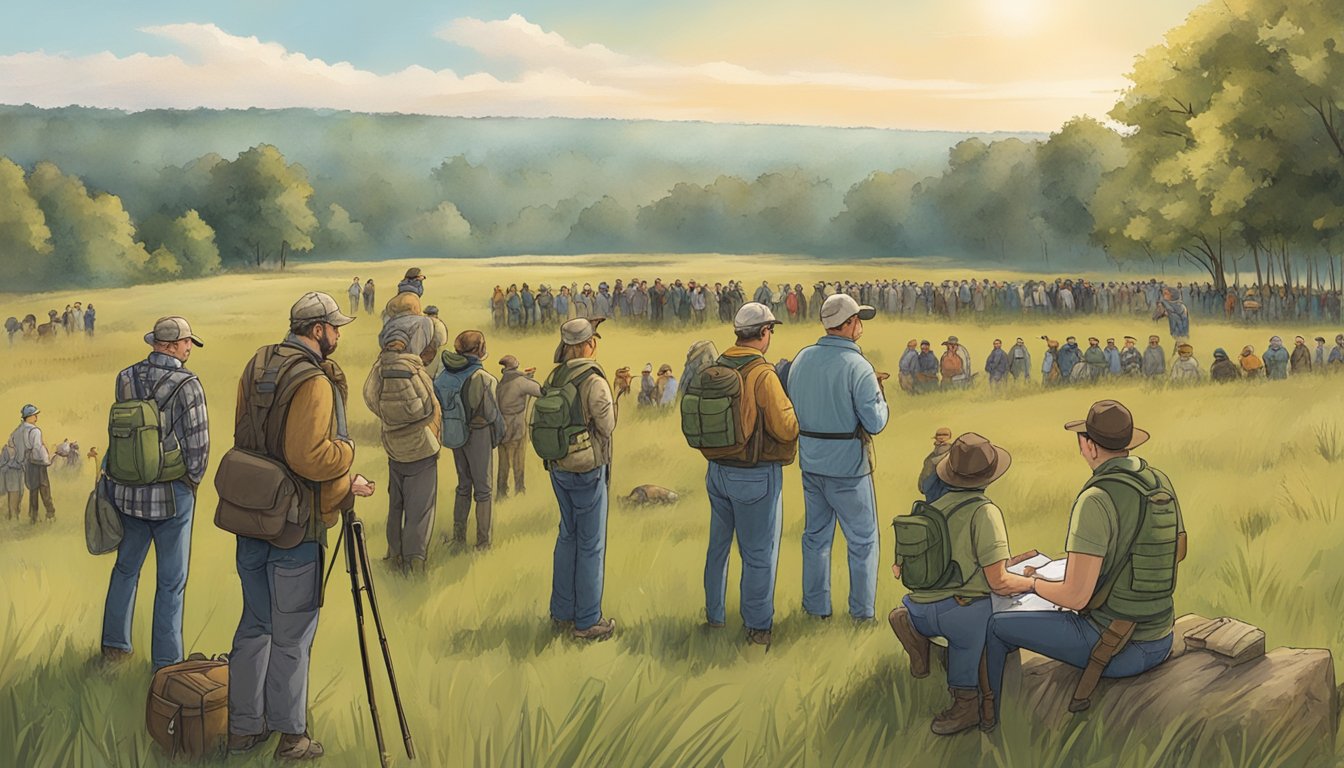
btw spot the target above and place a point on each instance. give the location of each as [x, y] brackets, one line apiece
[678, 304]
[76, 319]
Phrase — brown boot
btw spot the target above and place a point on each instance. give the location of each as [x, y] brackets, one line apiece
[963, 714]
[916, 645]
[988, 717]
[115, 655]
[297, 746]
[599, 631]
[246, 742]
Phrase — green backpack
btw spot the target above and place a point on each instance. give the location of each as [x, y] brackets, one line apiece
[557, 417]
[135, 431]
[710, 409]
[924, 546]
[1141, 587]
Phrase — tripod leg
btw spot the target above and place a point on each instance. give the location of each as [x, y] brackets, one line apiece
[382, 637]
[357, 568]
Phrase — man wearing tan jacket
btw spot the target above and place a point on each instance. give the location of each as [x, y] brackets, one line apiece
[516, 389]
[400, 392]
[282, 588]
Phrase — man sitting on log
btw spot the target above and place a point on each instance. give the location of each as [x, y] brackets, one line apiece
[1124, 541]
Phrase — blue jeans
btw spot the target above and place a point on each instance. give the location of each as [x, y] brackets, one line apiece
[580, 546]
[748, 502]
[1067, 637]
[268, 666]
[964, 628]
[172, 553]
[849, 500]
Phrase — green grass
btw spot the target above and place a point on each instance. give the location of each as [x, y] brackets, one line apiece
[484, 679]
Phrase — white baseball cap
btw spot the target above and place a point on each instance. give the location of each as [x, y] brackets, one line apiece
[841, 307]
[753, 314]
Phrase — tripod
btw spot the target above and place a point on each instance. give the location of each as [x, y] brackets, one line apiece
[361, 579]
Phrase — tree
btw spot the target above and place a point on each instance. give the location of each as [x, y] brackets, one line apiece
[92, 235]
[1072, 163]
[258, 205]
[187, 240]
[441, 229]
[25, 239]
[876, 215]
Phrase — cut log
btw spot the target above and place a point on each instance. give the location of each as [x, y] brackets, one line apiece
[1287, 695]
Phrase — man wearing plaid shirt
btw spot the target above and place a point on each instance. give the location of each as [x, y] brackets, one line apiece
[159, 512]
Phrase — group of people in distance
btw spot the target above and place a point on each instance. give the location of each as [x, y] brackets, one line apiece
[76, 319]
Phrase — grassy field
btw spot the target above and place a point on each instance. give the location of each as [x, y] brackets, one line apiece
[484, 679]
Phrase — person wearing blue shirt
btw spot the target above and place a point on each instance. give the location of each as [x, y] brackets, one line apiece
[839, 402]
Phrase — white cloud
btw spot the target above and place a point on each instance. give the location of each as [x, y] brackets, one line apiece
[555, 78]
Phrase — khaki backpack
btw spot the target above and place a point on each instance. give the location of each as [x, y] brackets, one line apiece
[399, 390]
[187, 710]
[711, 412]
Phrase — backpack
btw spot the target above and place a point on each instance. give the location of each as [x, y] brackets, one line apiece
[135, 431]
[396, 391]
[1142, 585]
[187, 710]
[449, 387]
[558, 420]
[711, 411]
[924, 546]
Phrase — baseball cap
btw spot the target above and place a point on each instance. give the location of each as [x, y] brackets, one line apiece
[172, 328]
[29, 410]
[431, 310]
[577, 331]
[508, 362]
[840, 307]
[413, 274]
[315, 305]
[753, 315]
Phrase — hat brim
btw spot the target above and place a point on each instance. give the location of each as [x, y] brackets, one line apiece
[1139, 436]
[338, 319]
[866, 312]
[195, 340]
[1002, 461]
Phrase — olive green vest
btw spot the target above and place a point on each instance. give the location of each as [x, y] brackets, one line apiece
[1138, 587]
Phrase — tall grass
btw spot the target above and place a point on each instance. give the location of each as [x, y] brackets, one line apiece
[485, 679]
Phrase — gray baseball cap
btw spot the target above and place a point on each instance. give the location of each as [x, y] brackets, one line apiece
[753, 315]
[841, 307]
[172, 328]
[315, 305]
[29, 410]
[577, 331]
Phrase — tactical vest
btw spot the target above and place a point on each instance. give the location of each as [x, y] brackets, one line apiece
[1139, 587]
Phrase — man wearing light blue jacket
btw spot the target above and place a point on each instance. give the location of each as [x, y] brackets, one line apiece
[839, 402]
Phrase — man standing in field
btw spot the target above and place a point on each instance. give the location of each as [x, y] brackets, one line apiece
[517, 388]
[839, 403]
[996, 366]
[1154, 359]
[929, 483]
[12, 462]
[474, 459]
[305, 429]
[368, 296]
[35, 458]
[745, 481]
[1276, 359]
[580, 480]
[1301, 357]
[1131, 361]
[1020, 361]
[157, 507]
[356, 291]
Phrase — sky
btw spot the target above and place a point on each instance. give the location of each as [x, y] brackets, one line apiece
[963, 65]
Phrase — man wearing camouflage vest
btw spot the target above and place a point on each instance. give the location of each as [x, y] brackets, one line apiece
[1125, 539]
[745, 483]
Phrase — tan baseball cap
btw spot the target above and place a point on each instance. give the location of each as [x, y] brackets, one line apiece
[172, 328]
[315, 305]
[577, 331]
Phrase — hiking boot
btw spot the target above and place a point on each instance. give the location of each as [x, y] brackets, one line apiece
[599, 631]
[963, 714]
[714, 624]
[297, 747]
[915, 644]
[115, 655]
[759, 637]
[565, 625]
[988, 720]
[246, 742]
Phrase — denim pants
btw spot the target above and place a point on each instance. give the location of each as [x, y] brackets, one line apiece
[747, 502]
[268, 668]
[580, 546]
[172, 553]
[1067, 637]
[964, 628]
[850, 501]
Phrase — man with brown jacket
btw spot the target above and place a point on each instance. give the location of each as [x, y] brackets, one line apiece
[516, 389]
[282, 588]
[400, 392]
[746, 482]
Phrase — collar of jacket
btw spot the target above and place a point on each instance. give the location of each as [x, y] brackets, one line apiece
[736, 351]
[838, 341]
[456, 362]
[161, 360]
[293, 341]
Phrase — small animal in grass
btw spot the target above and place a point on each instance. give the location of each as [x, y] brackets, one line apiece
[623, 378]
[652, 494]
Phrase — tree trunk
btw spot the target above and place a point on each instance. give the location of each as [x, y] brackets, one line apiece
[284, 256]
[258, 249]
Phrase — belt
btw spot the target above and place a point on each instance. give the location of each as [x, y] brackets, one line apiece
[857, 434]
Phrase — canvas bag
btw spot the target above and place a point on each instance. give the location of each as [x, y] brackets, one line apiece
[558, 425]
[187, 709]
[924, 546]
[711, 410]
[102, 520]
[449, 388]
[135, 432]
[398, 391]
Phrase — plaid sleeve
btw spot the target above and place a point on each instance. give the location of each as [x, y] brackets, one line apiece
[191, 427]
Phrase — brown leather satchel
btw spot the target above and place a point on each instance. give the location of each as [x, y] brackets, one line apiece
[187, 712]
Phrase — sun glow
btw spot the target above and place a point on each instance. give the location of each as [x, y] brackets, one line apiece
[1014, 17]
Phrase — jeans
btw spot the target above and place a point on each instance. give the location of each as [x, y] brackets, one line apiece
[964, 628]
[580, 546]
[748, 502]
[850, 501]
[268, 668]
[172, 553]
[1067, 637]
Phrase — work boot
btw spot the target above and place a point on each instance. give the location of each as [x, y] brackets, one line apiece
[459, 533]
[963, 714]
[759, 637]
[915, 644]
[297, 746]
[599, 631]
[115, 655]
[246, 742]
[415, 566]
[988, 717]
[566, 625]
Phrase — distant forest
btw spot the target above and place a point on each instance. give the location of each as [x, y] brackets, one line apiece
[1225, 155]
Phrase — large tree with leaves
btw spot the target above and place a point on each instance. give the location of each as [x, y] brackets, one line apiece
[259, 206]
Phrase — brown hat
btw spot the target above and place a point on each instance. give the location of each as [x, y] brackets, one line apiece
[943, 432]
[470, 342]
[413, 274]
[508, 362]
[664, 368]
[973, 462]
[1110, 425]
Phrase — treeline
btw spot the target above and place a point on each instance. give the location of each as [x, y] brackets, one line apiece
[1229, 159]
